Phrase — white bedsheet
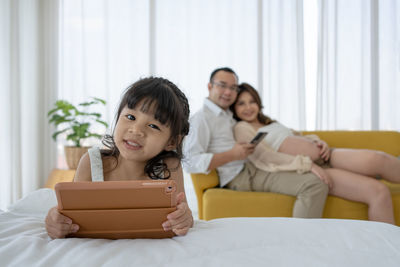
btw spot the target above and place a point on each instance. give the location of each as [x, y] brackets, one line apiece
[223, 242]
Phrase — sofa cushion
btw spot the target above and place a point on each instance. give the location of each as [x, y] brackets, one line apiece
[221, 203]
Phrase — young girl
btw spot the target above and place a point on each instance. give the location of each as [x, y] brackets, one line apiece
[348, 172]
[146, 143]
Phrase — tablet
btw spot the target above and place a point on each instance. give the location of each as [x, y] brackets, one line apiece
[118, 209]
[258, 138]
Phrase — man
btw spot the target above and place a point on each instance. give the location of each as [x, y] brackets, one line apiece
[211, 145]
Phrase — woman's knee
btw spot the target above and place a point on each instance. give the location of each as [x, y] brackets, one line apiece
[377, 160]
[381, 193]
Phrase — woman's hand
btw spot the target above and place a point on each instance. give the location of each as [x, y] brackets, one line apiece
[58, 225]
[180, 220]
[324, 152]
[322, 174]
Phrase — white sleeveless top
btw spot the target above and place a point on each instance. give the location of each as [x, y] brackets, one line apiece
[277, 133]
[96, 164]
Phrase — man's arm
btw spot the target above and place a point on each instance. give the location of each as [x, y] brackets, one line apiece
[239, 152]
[198, 159]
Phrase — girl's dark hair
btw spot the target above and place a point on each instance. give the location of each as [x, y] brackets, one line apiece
[245, 87]
[171, 108]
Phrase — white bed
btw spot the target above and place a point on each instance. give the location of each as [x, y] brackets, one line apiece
[223, 242]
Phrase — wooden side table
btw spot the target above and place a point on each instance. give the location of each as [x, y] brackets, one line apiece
[58, 175]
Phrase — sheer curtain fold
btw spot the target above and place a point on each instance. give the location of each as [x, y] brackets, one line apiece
[27, 94]
[104, 48]
[389, 64]
[358, 80]
[195, 37]
[283, 57]
[106, 45]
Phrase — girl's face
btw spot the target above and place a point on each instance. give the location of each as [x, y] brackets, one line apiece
[246, 107]
[139, 136]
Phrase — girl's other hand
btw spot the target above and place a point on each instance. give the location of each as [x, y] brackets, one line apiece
[324, 150]
[180, 220]
[58, 225]
[322, 174]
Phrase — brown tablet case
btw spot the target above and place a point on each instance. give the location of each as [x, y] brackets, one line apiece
[118, 209]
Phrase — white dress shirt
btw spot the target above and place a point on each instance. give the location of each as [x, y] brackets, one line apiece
[211, 131]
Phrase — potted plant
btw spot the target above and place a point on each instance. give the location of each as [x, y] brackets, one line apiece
[76, 123]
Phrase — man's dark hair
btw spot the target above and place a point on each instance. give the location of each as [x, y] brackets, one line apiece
[223, 69]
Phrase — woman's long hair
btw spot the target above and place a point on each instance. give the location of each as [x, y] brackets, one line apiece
[171, 108]
[245, 87]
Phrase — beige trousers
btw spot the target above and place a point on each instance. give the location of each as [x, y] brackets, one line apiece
[310, 191]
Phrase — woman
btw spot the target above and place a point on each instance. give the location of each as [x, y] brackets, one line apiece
[348, 172]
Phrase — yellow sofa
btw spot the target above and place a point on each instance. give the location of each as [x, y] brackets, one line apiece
[215, 202]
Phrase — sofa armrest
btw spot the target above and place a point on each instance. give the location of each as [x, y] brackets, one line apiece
[201, 182]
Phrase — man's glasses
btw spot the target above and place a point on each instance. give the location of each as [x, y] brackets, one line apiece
[222, 86]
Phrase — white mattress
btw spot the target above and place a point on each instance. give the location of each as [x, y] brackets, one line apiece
[222, 242]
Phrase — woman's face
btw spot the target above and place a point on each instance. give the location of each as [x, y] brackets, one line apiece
[246, 107]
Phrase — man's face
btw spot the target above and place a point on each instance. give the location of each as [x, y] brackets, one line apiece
[223, 89]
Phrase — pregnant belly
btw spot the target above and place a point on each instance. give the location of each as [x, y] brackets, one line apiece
[297, 145]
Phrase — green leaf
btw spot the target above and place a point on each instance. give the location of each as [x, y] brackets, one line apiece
[100, 100]
[102, 122]
[98, 115]
[96, 101]
[62, 120]
[89, 114]
[52, 111]
[54, 136]
[87, 103]
[95, 135]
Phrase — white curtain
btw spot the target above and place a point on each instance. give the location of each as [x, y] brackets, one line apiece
[192, 38]
[261, 40]
[107, 45]
[388, 65]
[359, 65]
[282, 78]
[104, 46]
[28, 75]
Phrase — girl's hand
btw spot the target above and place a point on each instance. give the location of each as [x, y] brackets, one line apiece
[180, 220]
[58, 225]
[321, 173]
[324, 152]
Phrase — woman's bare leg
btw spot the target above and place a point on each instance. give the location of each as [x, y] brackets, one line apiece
[367, 162]
[356, 187]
